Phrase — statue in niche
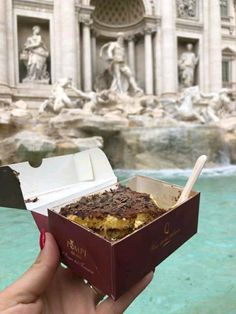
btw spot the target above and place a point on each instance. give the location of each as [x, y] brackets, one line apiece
[35, 56]
[122, 77]
[187, 64]
[186, 8]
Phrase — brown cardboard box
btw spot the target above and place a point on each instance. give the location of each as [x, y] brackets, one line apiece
[112, 267]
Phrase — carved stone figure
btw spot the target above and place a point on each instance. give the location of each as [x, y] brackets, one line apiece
[35, 55]
[59, 98]
[187, 111]
[122, 77]
[186, 8]
[107, 102]
[187, 64]
[90, 99]
[205, 107]
[219, 105]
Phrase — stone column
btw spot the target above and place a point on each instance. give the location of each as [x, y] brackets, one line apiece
[148, 61]
[94, 55]
[169, 48]
[131, 53]
[78, 51]
[157, 63]
[204, 51]
[215, 58]
[57, 54]
[10, 37]
[68, 42]
[87, 58]
[3, 48]
[65, 52]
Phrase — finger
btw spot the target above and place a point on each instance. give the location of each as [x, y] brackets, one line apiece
[119, 306]
[36, 279]
[98, 296]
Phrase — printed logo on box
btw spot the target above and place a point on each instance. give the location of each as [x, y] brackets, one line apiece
[76, 250]
[169, 236]
[167, 228]
[79, 256]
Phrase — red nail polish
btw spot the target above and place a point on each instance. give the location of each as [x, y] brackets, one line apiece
[42, 239]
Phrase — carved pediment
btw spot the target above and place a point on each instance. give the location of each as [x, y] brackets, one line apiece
[228, 52]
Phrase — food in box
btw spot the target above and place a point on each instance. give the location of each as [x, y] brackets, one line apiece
[111, 266]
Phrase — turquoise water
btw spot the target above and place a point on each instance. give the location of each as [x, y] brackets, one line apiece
[199, 278]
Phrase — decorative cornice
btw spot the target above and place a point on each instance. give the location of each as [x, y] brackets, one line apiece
[229, 37]
[35, 5]
[190, 25]
[227, 24]
[152, 19]
[135, 29]
[85, 9]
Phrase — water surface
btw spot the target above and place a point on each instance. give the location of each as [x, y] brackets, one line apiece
[199, 278]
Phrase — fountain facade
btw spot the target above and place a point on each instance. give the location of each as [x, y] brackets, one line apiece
[142, 79]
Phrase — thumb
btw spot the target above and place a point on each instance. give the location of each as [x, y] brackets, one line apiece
[37, 278]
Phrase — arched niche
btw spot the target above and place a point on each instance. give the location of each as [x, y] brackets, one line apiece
[25, 25]
[130, 17]
[118, 13]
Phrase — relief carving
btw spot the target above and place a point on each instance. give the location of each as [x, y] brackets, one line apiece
[186, 8]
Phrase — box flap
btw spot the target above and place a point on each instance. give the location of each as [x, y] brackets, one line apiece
[10, 191]
[59, 179]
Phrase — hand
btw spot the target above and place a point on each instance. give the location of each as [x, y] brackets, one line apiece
[47, 287]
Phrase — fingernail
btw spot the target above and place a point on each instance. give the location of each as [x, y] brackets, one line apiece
[42, 239]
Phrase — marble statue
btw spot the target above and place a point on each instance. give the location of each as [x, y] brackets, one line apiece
[219, 105]
[122, 77]
[35, 56]
[186, 110]
[186, 8]
[107, 102]
[205, 107]
[90, 99]
[59, 98]
[187, 64]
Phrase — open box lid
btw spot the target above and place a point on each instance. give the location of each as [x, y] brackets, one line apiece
[59, 179]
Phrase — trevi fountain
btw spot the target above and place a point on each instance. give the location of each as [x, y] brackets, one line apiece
[136, 130]
[153, 84]
[141, 119]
